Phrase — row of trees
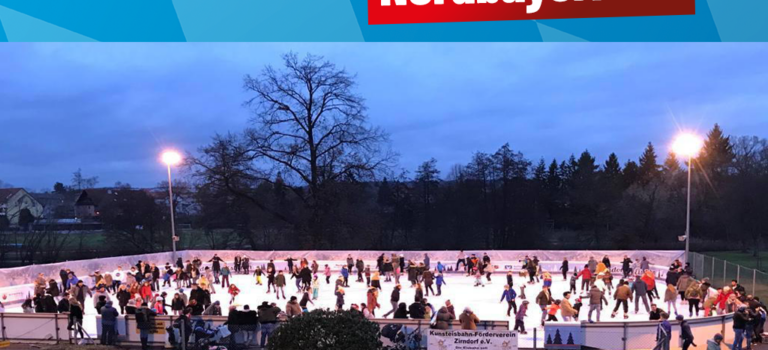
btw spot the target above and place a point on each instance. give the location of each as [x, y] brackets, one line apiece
[310, 172]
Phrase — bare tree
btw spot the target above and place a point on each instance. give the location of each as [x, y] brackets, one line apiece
[309, 126]
[80, 182]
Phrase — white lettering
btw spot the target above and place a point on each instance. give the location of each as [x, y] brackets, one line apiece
[462, 2]
[397, 2]
[486, 1]
[534, 6]
[420, 2]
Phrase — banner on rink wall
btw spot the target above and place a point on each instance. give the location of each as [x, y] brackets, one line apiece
[451, 339]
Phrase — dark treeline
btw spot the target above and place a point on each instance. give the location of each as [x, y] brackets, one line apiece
[311, 173]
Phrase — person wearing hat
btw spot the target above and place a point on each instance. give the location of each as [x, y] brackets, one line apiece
[108, 324]
[685, 332]
[715, 342]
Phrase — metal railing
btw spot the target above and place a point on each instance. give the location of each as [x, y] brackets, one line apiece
[721, 272]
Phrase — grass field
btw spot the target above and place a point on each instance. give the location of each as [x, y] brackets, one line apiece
[743, 259]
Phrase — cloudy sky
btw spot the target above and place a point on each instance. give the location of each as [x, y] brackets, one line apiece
[110, 108]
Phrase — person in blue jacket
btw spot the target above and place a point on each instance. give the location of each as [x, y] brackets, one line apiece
[345, 274]
[440, 281]
[509, 295]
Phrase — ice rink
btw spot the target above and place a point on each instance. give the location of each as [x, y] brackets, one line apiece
[458, 288]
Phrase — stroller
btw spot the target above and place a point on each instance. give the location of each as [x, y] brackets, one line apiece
[401, 337]
[207, 338]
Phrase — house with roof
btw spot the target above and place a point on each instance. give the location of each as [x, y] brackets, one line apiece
[13, 201]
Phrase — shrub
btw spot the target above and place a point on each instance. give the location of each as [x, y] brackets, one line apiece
[325, 329]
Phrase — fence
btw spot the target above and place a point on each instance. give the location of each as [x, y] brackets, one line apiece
[52, 328]
[721, 272]
[642, 335]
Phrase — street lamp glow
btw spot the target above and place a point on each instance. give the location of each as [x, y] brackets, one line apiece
[687, 145]
[171, 158]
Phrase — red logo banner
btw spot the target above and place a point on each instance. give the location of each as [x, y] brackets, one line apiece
[434, 11]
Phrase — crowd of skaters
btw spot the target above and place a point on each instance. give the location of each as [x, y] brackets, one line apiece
[139, 289]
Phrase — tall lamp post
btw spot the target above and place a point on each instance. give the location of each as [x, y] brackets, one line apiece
[688, 145]
[171, 158]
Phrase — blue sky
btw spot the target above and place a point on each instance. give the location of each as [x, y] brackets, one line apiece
[110, 108]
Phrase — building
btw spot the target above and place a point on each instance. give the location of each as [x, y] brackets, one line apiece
[14, 200]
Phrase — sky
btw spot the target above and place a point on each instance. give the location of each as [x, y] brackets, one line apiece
[111, 108]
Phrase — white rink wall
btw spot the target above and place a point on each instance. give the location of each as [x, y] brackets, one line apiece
[15, 283]
[26, 274]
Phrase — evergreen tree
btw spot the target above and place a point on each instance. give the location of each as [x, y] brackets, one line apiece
[540, 172]
[630, 173]
[612, 168]
[671, 165]
[558, 338]
[649, 168]
[717, 154]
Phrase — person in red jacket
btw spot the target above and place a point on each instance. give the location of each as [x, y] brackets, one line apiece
[586, 278]
[722, 298]
[146, 292]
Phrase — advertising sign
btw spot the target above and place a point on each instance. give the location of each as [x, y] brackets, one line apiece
[471, 340]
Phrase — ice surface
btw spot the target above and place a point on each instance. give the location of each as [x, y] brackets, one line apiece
[459, 288]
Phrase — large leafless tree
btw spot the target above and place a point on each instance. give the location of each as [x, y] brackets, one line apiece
[309, 129]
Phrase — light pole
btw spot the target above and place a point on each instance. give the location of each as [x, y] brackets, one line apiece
[688, 145]
[171, 158]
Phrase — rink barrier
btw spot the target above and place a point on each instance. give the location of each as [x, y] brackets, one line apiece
[636, 335]
[550, 259]
[52, 328]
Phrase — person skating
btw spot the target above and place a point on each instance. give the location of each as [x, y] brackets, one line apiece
[509, 296]
[373, 300]
[478, 278]
[510, 279]
[376, 280]
[340, 299]
[258, 272]
[224, 273]
[428, 278]
[306, 299]
[315, 287]
[520, 318]
[280, 285]
[360, 265]
[640, 290]
[596, 300]
[461, 259]
[626, 267]
[622, 296]
[552, 311]
[216, 264]
[544, 299]
[419, 293]
[566, 309]
[586, 278]
[693, 296]
[327, 272]
[233, 291]
[564, 268]
[394, 299]
[440, 281]
[271, 280]
[345, 275]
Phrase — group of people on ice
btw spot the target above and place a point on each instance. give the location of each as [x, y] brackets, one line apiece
[160, 289]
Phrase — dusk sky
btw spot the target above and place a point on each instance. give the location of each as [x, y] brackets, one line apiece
[111, 108]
